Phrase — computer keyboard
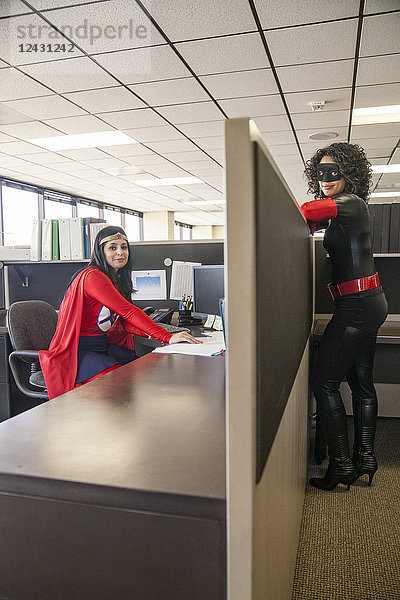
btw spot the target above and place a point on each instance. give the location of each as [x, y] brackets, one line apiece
[172, 328]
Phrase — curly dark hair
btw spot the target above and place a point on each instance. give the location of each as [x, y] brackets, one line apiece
[121, 280]
[353, 164]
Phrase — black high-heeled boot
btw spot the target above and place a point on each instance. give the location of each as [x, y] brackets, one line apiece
[319, 442]
[341, 468]
[365, 413]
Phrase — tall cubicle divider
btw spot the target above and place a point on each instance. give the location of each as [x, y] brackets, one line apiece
[269, 316]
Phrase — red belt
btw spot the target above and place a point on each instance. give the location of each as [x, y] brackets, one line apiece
[355, 285]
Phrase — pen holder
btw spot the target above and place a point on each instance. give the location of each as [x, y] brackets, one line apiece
[185, 317]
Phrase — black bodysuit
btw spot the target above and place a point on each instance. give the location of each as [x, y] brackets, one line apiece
[348, 345]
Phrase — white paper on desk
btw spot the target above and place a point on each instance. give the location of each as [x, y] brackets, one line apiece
[197, 349]
[182, 279]
[150, 285]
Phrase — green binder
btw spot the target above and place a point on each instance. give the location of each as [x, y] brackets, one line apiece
[55, 244]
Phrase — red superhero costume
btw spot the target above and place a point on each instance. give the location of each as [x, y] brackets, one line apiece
[90, 307]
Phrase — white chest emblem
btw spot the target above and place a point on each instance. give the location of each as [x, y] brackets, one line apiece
[105, 318]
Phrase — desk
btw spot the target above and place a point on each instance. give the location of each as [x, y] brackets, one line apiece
[117, 489]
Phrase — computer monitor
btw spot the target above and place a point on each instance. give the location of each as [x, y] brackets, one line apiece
[208, 288]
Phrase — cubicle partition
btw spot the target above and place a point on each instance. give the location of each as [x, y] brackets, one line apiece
[269, 316]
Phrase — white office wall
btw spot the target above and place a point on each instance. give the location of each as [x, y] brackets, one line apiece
[202, 232]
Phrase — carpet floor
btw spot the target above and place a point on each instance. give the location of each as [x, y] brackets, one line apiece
[349, 547]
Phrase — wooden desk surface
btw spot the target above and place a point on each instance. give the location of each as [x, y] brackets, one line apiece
[150, 434]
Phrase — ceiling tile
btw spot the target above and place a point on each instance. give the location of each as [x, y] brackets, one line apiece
[257, 106]
[83, 153]
[380, 69]
[45, 107]
[9, 8]
[276, 138]
[336, 99]
[372, 6]
[191, 113]
[50, 4]
[288, 13]
[274, 123]
[145, 64]
[205, 129]
[172, 146]
[6, 138]
[321, 120]
[70, 75]
[8, 116]
[18, 148]
[154, 134]
[98, 101]
[380, 35]
[30, 130]
[170, 91]
[219, 55]
[257, 82]
[330, 41]
[317, 76]
[106, 26]
[130, 119]
[126, 150]
[210, 143]
[83, 124]
[380, 130]
[188, 19]
[377, 95]
[16, 85]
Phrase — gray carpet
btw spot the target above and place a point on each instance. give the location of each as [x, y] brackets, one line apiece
[349, 545]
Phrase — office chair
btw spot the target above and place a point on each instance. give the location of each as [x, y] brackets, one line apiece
[31, 325]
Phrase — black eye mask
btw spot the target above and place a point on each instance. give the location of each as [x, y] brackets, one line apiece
[328, 172]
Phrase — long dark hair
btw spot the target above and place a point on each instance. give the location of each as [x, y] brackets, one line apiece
[353, 164]
[122, 279]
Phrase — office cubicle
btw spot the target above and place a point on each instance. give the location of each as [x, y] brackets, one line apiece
[268, 293]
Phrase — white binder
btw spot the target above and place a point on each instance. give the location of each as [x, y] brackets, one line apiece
[46, 239]
[76, 233]
[36, 240]
[64, 239]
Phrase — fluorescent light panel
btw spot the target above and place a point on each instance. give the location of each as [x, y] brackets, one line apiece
[385, 194]
[376, 114]
[386, 168]
[169, 181]
[84, 140]
[204, 202]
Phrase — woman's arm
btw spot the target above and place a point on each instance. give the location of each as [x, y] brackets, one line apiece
[319, 210]
[99, 286]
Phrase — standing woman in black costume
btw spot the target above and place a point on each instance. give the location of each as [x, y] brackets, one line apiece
[339, 176]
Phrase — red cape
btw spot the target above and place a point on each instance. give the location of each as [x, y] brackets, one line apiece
[59, 362]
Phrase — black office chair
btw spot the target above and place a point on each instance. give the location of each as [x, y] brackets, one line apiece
[31, 325]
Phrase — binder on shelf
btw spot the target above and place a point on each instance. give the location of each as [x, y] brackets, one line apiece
[86, 233]
[376, 211]
[36, 240]
[394, 235]
[76, 238]
[64, 239]
[55, 244]
[94, 229]
[46, 239]
[385, 227]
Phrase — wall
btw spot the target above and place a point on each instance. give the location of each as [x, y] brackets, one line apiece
[158, 225]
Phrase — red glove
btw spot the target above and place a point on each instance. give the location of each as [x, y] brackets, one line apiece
[320, 210]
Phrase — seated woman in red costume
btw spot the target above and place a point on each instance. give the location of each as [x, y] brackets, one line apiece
[97, 311]
[339, 176]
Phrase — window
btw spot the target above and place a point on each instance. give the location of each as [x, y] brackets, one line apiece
[20, 207]
[133, 227]
[182, 231]
[113, 217]
[87, 210]
[54, 209]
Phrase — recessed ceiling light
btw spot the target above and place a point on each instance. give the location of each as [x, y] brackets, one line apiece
[385, 194]
[204, 202]
[386, 168]
[84, 140]
[169, 181]
[376, 114]
[323, 135]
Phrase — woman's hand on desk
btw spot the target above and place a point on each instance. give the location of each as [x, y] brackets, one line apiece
[183, 336]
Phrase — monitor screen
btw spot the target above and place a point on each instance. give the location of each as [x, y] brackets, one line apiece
[208, 288]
